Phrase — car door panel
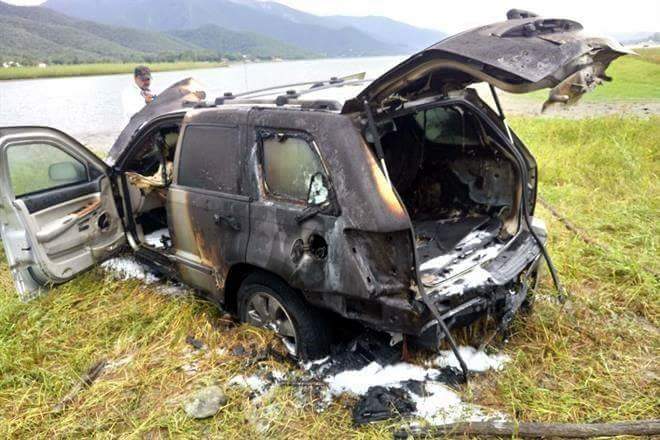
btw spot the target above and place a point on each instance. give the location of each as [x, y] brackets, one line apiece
[208, 215]
[280, 244]
[65, 227]
[210, 230]
[39, 202]
[52, 230]
[279, 241]
[90, 239]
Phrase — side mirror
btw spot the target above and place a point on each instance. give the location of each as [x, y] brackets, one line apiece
[319, 192]
[66, 172]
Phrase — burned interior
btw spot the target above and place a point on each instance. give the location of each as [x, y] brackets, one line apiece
[451, 173]
[149, 172]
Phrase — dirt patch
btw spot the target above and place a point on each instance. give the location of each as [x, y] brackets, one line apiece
[515, 106]
[530, 105]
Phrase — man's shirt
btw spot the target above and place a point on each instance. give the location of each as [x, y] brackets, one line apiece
[132, 100]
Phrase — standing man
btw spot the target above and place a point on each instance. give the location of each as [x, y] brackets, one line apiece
[136, 97]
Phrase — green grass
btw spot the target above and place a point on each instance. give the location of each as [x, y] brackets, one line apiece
[56, 71]
[595, 359]
[635, 78]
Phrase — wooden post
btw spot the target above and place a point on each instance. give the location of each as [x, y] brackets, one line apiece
[536, 430]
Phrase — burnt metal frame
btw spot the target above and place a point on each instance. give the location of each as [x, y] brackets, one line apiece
[262, 133]
[372, 126]
[521, 164]
[525, 199]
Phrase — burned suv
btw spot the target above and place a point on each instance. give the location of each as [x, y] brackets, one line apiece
[408, 208]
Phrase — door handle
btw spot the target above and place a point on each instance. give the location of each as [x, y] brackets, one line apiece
[230, 220]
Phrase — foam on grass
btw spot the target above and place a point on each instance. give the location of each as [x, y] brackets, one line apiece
[128, 268]
[358, 382]
[254, 383]
[476, 360]
[440, 404]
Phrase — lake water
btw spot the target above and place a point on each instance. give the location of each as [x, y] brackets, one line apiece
[90, 108]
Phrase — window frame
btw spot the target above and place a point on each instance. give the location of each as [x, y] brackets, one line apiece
[479, 132]
[41, 141]
[262, 133]
[142, 132]
[240, 190]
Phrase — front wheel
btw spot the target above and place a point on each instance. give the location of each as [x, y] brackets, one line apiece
[265, 301]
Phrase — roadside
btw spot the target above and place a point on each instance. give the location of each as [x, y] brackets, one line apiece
[59, 71]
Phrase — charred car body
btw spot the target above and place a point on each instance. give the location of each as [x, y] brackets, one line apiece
[408, 208]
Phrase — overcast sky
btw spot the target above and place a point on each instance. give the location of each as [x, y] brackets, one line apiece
[454, 15]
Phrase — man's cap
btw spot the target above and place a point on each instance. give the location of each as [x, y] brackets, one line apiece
[142, 71]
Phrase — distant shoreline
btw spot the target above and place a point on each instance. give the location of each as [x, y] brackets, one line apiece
[70, 70]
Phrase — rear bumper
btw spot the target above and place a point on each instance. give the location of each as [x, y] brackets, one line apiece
[502, 303]
[512, 274]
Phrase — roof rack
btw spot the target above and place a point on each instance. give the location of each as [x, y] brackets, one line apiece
[291, 96]
[281, 101]
[313, 84]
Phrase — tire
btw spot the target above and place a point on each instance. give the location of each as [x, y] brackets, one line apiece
[311, 336]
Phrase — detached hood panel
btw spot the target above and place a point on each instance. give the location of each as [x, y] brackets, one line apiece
[184, 93]
[518, 55]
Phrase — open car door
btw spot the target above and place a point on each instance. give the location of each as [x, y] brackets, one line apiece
[58, 213]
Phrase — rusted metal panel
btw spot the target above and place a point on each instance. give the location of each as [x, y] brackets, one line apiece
[210, 228]
[367, 257]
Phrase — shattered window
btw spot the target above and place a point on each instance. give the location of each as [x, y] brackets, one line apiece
[449, 126]
[289, 164]
[39, 167]
[210, 158]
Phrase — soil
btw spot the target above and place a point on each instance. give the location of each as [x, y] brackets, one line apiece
[515, 106]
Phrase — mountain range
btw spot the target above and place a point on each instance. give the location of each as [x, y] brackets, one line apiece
[326, 36]
[76, 31]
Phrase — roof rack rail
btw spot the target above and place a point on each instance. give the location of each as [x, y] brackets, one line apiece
[317, 88]
[280, 101]
[314, 85]
[291, 97]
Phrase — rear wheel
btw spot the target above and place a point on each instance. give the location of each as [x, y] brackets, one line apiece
[265, 301]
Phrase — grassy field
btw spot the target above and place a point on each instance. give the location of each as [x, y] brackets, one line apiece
[594, 359]
[56, 71]
[635, 78]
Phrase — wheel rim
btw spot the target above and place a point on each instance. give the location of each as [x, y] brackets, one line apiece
[264, 310]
